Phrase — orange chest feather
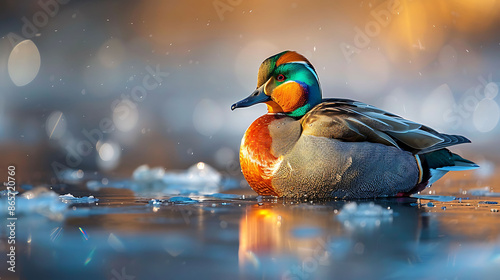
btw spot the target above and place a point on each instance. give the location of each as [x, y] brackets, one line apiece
[256, 159]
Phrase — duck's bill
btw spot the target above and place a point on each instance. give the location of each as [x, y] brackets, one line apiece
[258, 96]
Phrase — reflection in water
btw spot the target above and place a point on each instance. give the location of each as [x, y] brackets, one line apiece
[296, 242]
[259, 235]
[230, 237]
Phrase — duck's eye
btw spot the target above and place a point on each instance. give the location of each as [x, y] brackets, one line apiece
[280, 78]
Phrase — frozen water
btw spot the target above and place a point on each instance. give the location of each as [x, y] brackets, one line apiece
[488, 202]
[70, 199]
[364, 215]
[197, 179]
[442, 198]
[370, 209]
[145, 174]
[485, 191]
[204, 173]
[156, 202]
[226, 196]
[173, 200]
[182, 200]
[39, 200]
[253, 234]
[201, 178]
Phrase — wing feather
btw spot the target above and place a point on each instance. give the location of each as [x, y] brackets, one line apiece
[354, 121]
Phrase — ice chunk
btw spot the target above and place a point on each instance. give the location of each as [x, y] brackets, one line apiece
[182, 200]
[442, 198]
[226, 196]
[145, 174]
[201, 177]
[198, 179]
[364, 215]
[352, 209]
[156, 202]
[39, 200]
[485, 191]
[203, 172]
[173, 200]
[70, 199]
[488, 202]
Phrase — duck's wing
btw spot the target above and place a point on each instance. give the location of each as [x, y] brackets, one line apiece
[354, 121]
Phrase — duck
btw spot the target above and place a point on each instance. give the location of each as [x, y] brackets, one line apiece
[314, 148]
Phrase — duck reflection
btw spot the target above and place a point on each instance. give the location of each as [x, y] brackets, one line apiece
[303, 241]
[260, 234]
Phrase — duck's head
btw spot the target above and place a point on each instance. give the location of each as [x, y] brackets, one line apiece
[287, 83]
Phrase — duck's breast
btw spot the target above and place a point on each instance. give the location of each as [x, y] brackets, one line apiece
[262, 149]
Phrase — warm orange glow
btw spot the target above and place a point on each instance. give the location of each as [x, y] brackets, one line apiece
[473, 16]
[415, 35]
[259, 234]
[264, 212]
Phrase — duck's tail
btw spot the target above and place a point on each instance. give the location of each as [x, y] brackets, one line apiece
[434, 165]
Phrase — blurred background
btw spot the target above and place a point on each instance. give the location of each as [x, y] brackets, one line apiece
[109, 85]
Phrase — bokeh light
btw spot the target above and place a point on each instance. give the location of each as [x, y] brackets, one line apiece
[109, 154]
[125, 115]
[24, 63]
